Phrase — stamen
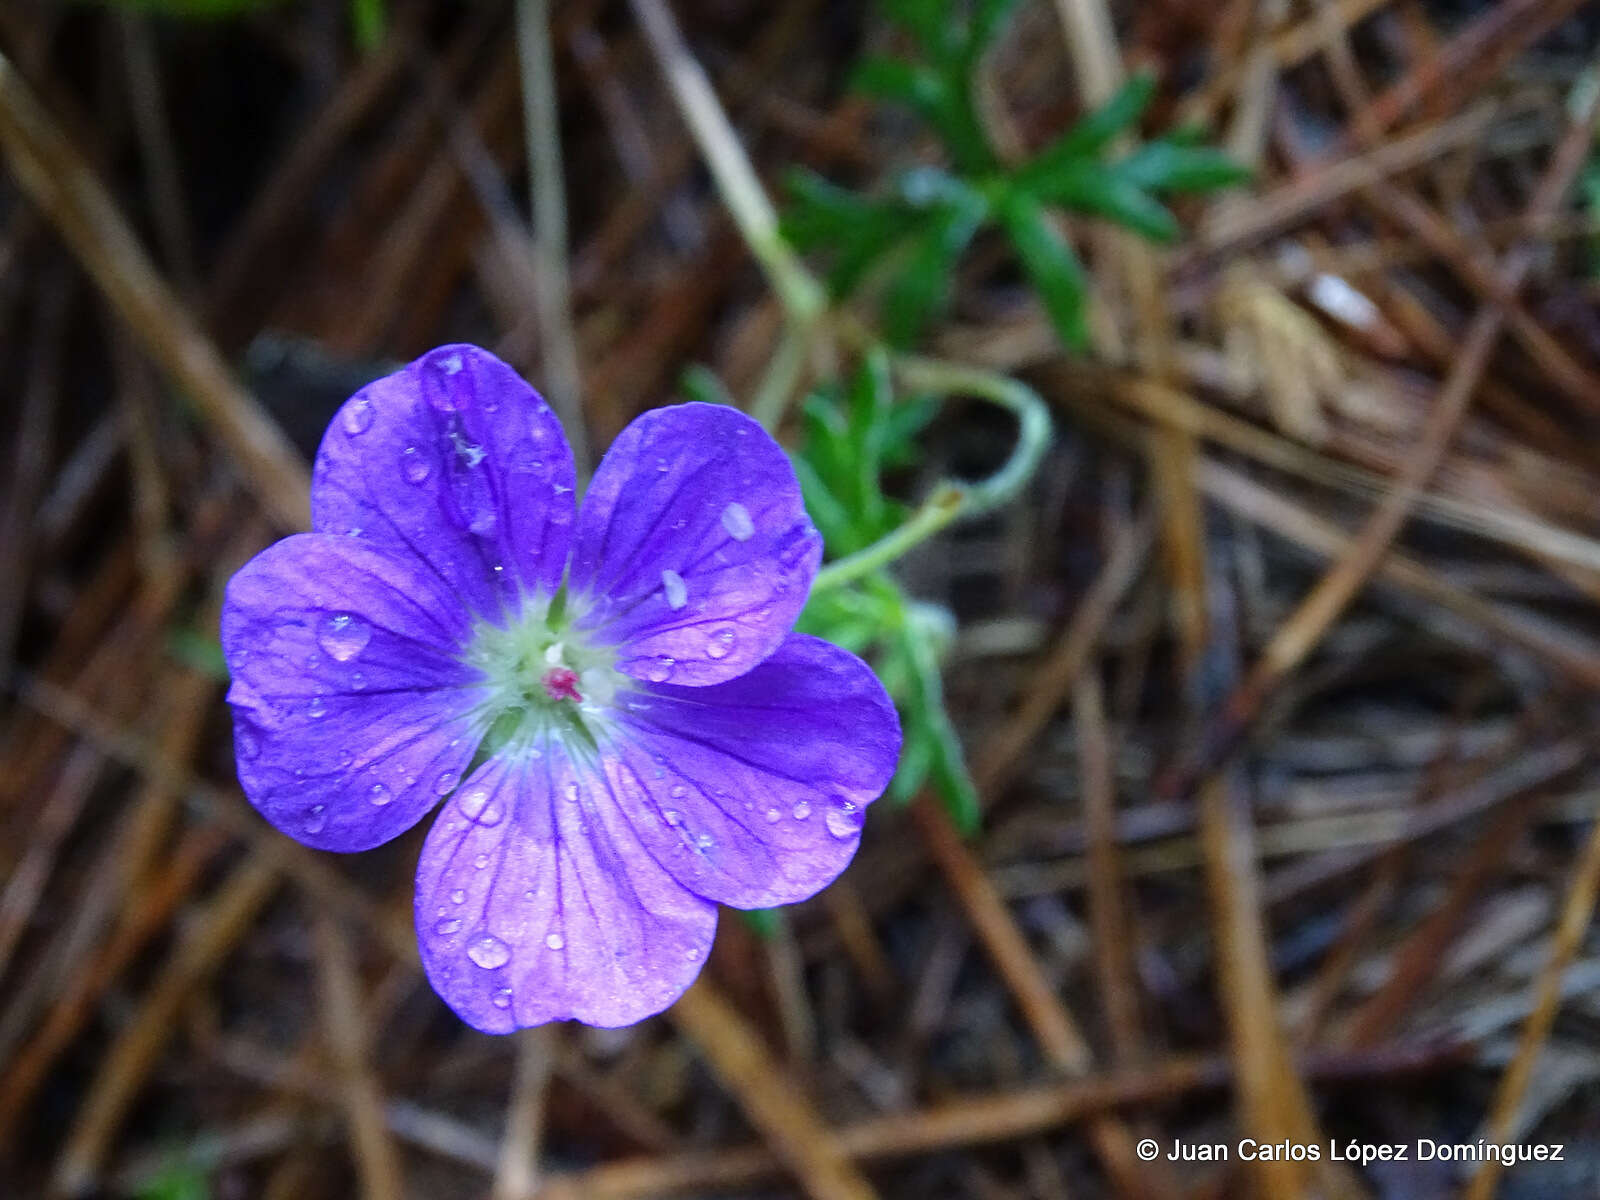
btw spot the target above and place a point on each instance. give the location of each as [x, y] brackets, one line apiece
[561, 683]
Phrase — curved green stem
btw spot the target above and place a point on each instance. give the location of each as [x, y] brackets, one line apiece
[952, 501]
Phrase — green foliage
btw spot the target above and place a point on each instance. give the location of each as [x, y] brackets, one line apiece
[180, 1181]
[851, 435]
[201, 653]
[916, 231]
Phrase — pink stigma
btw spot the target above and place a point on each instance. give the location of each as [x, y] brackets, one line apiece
[561, 683]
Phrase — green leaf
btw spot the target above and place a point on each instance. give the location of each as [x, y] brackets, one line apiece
[1088, 187]
[987, 18]
[368, 21]
[199, 652]
[855, 230]
[829, 514]
[1165, 167]
[917, 87]
[1094, 132]
[906, 421]
[916, 760]
[921, 287]
[763, 922]
[179, 1181]
[1051, 267]
[926, 20]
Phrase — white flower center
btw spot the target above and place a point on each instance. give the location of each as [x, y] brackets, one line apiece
[544, 679]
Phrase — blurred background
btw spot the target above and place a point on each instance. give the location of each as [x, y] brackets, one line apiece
[1250, 788]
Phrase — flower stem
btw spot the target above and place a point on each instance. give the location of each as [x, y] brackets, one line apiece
[952, 501]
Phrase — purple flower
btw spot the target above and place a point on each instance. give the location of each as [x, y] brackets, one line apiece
[608, 698]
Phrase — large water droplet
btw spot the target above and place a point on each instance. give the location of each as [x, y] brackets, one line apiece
[773, 816]
[379, 794]
[458, 896]
[554, 940]
[317, 818]
[357, 416]
[446, 781]
[736, 520]
[801, 811]
[317, 708]
[481, 862]
[677, 591]
[660, 669]
[489, 952]
[447, 926]
[844, 819]
[721, 643]
[343, 636]
[476, 807]
[501, 998]
[413, 465]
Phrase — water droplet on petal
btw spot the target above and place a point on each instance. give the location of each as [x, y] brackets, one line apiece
[721, 643]
[446, 781]
[458, 896]
[705, 841]
[773, 816]
[358, 681]
[736, 520]
[844, 819]
[678, 791]
[357, 416]
[489, 952]
[317, 818]
[413, 465]
[343, 636]
[801, 811]
[554, 940]
[379, 794]
[501, 998]
[451, 365]
[481, 862]
[660, 670]
[475, 805]
[317, 708]
[676, 590]
[672, 817]
[448, 926]
[692, 953]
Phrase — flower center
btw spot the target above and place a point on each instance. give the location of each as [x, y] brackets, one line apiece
[543, 677]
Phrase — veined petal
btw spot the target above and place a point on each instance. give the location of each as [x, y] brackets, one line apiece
[753, 792]
[535, 902]
[456, 462]
[352, 709]
[693, 553]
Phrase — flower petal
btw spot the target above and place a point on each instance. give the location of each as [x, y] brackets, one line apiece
[693, 547]
[350, 701]
[455, 461]
[753, 792]
[536, 903]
